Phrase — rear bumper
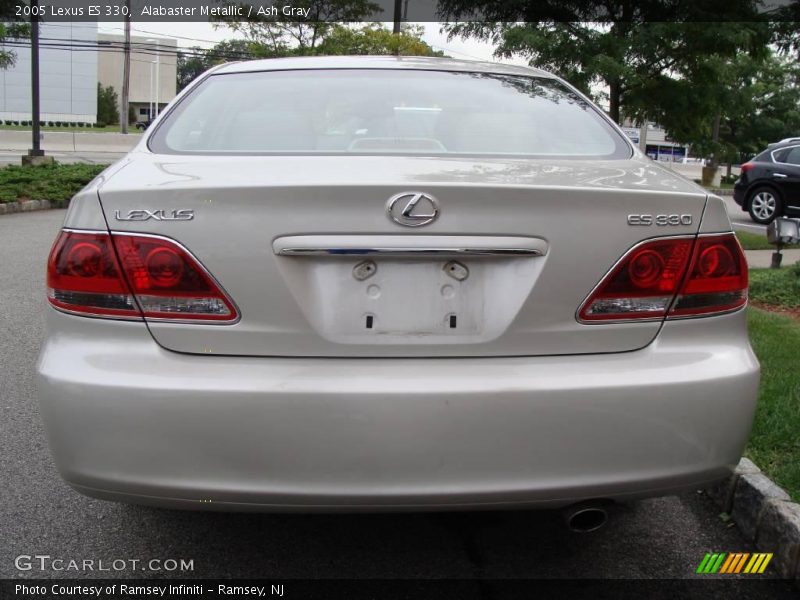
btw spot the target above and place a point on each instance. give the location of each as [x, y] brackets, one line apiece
[739, 194]
[130, 421]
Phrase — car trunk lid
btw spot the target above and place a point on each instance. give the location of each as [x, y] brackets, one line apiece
[310, 253]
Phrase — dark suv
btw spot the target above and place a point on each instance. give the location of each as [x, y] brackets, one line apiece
[769, 185]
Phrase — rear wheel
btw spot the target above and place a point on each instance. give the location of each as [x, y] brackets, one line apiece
[764, 205]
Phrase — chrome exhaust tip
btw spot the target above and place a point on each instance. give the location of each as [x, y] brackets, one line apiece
[586, 516]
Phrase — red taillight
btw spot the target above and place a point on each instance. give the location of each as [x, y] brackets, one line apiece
[132, 276]
[83, 276]
[746, 167]
[717, 279]
[675, 277]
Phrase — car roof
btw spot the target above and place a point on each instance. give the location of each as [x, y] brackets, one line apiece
[783, 144]
[423, 63]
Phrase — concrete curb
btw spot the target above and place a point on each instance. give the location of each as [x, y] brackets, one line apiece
[721, 192]
[7, 208]
[764, 514]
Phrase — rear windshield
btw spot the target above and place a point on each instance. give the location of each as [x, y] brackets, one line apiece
[372, 111]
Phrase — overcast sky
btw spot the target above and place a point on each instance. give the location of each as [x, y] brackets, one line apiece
[205, 35]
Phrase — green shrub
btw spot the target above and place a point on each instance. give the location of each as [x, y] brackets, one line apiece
[107, 103]
[57, 183]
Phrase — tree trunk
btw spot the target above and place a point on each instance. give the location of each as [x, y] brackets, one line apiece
[714, 162]
[614, 93]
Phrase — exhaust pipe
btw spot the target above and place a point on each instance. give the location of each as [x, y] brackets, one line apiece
[586, 516]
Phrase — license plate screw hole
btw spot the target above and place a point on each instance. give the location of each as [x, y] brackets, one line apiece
[370, 321]
[456, 270]
[452, 321]
[364, 270]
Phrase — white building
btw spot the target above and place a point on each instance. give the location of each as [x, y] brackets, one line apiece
[154, 73]
[73, 58]
[655, 142]
[67, 75]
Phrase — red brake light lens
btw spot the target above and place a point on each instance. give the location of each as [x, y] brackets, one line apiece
[746, 167]
[717, 280]
[642, 284]
[671, 277]
[132, 276]
[83, 276]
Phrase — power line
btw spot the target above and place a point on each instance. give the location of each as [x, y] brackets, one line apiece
[114, 47]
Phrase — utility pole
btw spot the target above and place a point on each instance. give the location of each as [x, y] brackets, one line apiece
[35, 154]
[158, 77]
[126, 72]
[398, 19]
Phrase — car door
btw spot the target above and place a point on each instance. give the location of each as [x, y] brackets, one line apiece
[786, 174]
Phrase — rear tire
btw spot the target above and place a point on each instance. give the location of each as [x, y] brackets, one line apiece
[764, 205]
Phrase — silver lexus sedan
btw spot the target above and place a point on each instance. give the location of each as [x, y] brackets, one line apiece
[387, 283]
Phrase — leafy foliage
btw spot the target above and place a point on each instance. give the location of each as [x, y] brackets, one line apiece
[662, 61]
[281, 36]
[57, 183]
[648, 70]
[375, 39]
[10, 30]
[196, 61]
[778, 287]
[336, 39]
[107, 105]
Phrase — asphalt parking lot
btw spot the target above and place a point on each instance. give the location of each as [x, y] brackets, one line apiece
[39, 514]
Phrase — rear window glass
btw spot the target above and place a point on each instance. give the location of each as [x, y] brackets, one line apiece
[372, 111]
[789, 155]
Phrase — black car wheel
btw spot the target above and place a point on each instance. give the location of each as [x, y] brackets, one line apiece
[764, 205]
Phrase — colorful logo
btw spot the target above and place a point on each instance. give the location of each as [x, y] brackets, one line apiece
[734, 562]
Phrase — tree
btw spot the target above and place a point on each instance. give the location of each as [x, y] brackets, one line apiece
[10, 31]
[375, 39]
[107, 105]
[281, 36]
[763, 106]
[649, 58]
[190, 64]
[196, 60]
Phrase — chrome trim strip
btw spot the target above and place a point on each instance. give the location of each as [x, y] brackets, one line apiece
[409, 245]
[409, 251]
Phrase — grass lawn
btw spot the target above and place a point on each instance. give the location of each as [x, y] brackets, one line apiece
[754, 241]
[777, 287]
[106, 129]
[57, 183]
[775, 440]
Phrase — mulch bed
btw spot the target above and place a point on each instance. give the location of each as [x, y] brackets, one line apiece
[794, 313]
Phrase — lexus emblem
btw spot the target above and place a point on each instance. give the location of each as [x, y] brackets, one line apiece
[413, 209]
